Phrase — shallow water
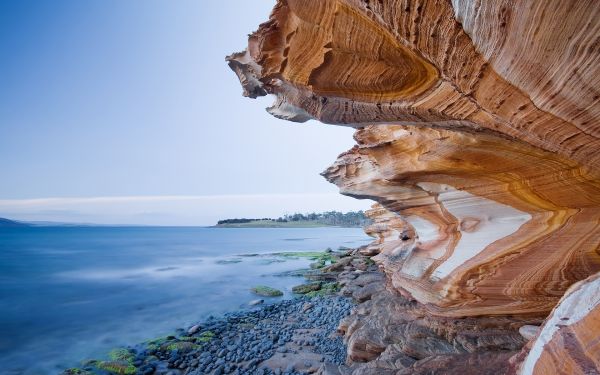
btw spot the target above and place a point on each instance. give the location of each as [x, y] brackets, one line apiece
[69, 293]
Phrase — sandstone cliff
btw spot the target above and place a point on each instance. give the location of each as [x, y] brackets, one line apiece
[478, 134]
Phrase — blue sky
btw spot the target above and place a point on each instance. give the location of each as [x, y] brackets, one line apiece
[110, 98]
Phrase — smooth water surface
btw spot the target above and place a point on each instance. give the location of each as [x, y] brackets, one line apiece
[70, 293]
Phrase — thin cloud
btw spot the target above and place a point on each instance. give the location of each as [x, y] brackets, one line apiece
[173, 209]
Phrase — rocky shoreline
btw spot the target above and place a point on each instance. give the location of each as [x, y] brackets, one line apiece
[298, 336]
[288, 337]
[348, 322]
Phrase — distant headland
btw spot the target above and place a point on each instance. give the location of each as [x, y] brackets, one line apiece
[7, 223]
[352, 219]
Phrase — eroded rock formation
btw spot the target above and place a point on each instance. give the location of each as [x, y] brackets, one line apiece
[389, 334]
[482, 226]
[478, 134]
[567, 342]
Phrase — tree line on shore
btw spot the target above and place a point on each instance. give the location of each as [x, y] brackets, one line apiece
[352, 218]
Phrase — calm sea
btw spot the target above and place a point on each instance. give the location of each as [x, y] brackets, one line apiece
[70, 293]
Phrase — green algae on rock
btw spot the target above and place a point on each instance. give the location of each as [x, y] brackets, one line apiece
[306, 288]
[326, 289]
[266, 291]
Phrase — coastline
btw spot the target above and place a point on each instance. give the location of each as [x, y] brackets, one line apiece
[273, 224]
[277, 225]
[298, 336]
[348, 322]
[104, 288]
[286, 337]
[351, 324]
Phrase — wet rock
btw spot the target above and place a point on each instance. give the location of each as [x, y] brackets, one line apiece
[194, 329]
[306, 288]
[266, 291]
[365, 293]
[338, 265]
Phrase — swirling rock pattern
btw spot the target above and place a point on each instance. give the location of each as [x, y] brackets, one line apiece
[526, 70]
[478, 130]
[474, 225]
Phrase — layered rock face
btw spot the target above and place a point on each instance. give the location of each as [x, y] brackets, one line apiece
[568, 341]
[482, 226]
[478, 134]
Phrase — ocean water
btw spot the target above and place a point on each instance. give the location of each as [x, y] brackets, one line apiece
[71, 293]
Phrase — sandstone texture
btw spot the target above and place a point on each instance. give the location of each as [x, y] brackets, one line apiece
[478, 135]
[386, 333]
[568, 342]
